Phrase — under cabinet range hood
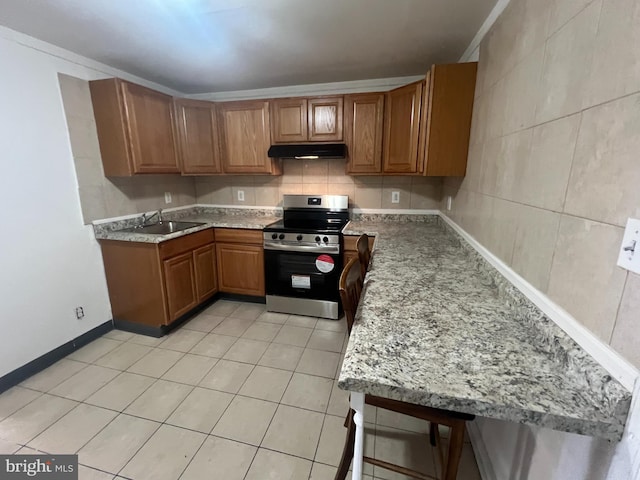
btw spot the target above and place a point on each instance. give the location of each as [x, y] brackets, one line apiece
[309, 151]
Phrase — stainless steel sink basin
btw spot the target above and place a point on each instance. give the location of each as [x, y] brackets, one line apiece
[162, 228]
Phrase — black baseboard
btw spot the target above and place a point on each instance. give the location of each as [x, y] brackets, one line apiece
[34, 366]
[138, 328]
[242, 298]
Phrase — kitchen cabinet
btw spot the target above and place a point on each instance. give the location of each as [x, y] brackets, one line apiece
[198, 139]
[446, 123]
[246, 138]
[153, 284]
[426, 126]
[290, 122]
[180, 284]
[204, 260]
[135, 128]
[240, 258]
[350, 249]
[325, 119]
[363, 132]
[402, 129]
[301, 120]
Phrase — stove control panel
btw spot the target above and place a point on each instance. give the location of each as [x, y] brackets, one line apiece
[302, 238]
[302, 242]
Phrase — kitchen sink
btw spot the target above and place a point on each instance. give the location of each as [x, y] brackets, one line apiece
[162, 228]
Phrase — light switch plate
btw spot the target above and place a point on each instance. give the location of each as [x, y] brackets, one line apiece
[395, 197]
[629, 256]
[241, 195]
[167, 197]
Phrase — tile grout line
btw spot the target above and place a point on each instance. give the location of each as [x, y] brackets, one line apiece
[206, 435]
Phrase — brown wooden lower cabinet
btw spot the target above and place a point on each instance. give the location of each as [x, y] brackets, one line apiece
[154, 284]
[180, 284]
[204, 259]
[241, 268]
[240, 257]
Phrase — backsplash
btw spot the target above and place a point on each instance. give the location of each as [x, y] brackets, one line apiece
[320, 177]
[102, 197]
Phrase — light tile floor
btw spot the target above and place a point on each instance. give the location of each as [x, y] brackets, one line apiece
[235, 393]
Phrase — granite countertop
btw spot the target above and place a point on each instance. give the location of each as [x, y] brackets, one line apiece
[209, 217]
[438, 326]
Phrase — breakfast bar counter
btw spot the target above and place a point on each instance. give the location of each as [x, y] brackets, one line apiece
[438, 326]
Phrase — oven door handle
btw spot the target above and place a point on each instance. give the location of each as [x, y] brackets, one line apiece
[301, 248]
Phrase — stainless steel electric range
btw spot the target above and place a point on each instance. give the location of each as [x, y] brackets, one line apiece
[303, 255]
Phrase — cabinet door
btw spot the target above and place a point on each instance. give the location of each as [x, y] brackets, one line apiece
[180, 284]
[402, 126]
[325, 119]
[198, 137]
[364, 118]
[289, 120]
[150, 127]
[204, 261]
[240, 268]
[448, 125]
[247, 137]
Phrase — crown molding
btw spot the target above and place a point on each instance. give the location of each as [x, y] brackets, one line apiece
[333, 88]
[472, 51]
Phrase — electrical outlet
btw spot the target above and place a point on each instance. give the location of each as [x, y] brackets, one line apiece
[449, 201]
[241, 195]
[167, 197]
[629, 255]
[395, 197]
[79, 313]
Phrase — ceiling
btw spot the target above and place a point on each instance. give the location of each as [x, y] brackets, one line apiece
[201, 46]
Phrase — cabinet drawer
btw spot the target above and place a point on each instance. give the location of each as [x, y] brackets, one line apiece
[180, 245]
[239, 235]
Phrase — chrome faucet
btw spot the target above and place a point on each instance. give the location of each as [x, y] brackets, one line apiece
[145, 219]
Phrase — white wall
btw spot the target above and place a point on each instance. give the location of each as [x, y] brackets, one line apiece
[50, 262]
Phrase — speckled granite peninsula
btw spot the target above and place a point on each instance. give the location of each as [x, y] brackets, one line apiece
[254, 219]
[438, 326]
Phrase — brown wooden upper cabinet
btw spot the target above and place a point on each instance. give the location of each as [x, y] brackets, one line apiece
[246, 138]
[135, 128]
[363, 131]
[198, 139]
[402, 129]
[426, 125]
[447, 109]
[289, 120]
[300, 120]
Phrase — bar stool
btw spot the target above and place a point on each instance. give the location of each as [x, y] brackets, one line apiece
[351, 284]
[364, 254]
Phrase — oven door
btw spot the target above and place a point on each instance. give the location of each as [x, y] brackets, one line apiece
[303, 274]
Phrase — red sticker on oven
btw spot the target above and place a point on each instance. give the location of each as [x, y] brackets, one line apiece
[325, 263]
